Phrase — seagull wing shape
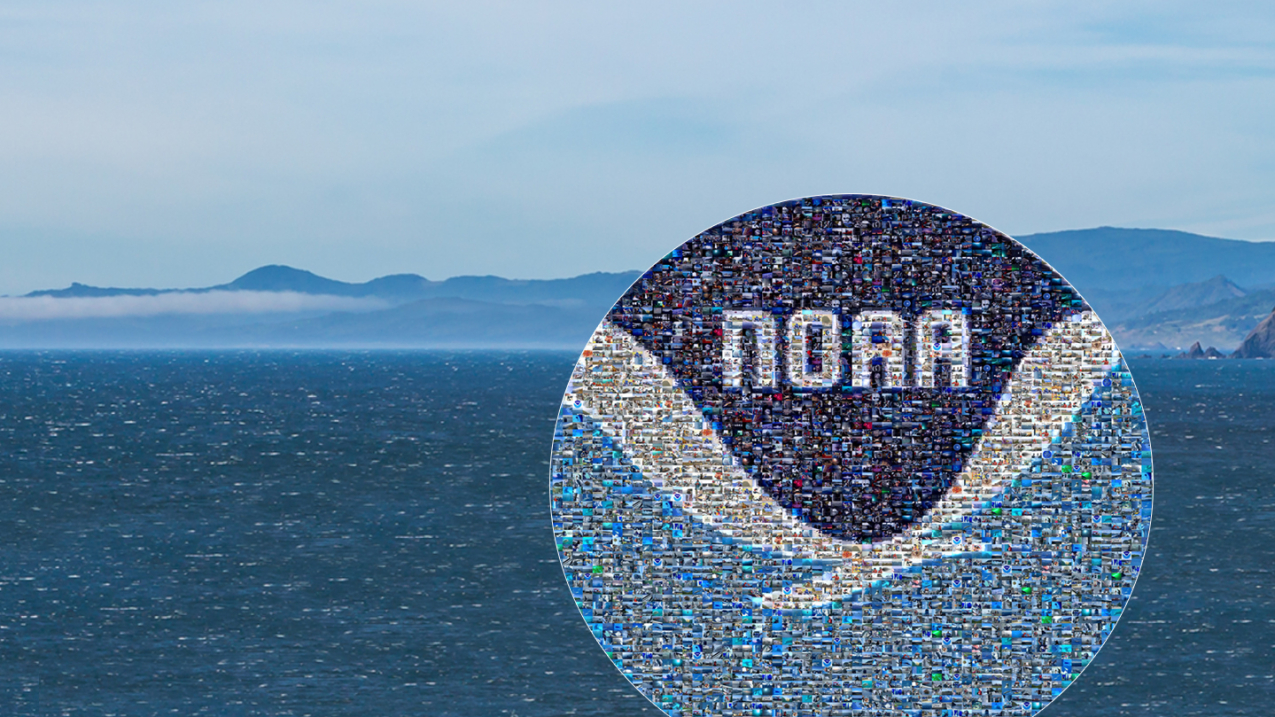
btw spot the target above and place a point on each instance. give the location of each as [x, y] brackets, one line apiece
[626, 391]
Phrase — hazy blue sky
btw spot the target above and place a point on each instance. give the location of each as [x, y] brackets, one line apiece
[180, 144]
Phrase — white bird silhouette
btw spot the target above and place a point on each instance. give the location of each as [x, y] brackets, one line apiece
[627, 393]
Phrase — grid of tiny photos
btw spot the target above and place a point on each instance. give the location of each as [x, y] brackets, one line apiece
[859, 258]
[678, 605]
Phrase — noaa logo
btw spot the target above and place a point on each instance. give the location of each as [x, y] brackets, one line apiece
[851, 454]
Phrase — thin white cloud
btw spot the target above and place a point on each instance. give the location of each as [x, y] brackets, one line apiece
[44, 308]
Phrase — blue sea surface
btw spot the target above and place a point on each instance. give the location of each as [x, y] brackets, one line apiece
[367, 533]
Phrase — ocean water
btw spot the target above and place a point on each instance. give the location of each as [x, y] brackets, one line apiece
[367, 533]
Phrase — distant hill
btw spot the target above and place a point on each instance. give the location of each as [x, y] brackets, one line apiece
[1163, 289]
[1261, 342]
[1191, 296]
[1223, 324]
[1116, 306]
[584, 290]
[466, 311]
[83, 291]
[1122, 259]
[1156, 289]
[277, 277]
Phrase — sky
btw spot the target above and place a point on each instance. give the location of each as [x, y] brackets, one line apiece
[160, 144]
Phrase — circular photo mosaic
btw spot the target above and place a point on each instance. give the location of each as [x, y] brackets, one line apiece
[851, 455]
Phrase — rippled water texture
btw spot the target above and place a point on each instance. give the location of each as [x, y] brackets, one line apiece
[367, 534]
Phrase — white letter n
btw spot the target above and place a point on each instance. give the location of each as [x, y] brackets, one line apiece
[734, 325]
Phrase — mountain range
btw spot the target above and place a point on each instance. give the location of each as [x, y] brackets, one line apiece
[1158, 290]
[586, 290]
[402, 310]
